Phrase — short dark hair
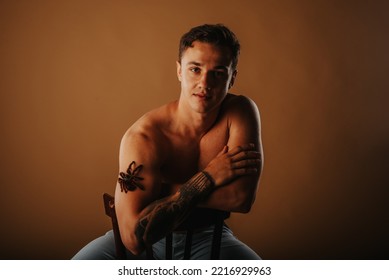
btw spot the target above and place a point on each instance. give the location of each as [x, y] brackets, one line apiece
[216, 34]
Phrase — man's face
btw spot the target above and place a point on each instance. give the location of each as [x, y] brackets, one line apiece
[206, 75]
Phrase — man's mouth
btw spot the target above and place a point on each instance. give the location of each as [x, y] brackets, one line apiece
[202, 95]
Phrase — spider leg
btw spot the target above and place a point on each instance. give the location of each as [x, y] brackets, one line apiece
[137, 169]
[139, 185]
[130, 181]
[120, 181]
[122, 185]
[137, 178]
[129, 170]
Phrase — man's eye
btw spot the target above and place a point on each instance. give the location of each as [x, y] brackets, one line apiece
[219, 74]
[195, 70]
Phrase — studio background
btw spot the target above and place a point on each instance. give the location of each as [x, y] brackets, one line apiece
[74, 75]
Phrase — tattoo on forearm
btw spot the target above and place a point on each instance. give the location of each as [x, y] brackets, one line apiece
[164, 215]
[130, 181]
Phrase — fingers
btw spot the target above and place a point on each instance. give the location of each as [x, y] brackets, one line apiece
[248, 163]
[246, 171]
[230, 164]
[242, 148]
[244, 152]
[245, 160]
[246, 155]
[246, 167]
[224, 151]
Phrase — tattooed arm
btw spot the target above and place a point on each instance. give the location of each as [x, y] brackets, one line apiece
[139, 182]
[143, 217]
[164, 215]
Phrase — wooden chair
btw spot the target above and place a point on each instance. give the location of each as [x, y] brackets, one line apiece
[109, 205]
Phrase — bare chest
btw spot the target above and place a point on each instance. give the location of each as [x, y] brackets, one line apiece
[185, 157]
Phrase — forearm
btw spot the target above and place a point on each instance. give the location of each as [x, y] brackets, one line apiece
[238, 196]
[164, 215]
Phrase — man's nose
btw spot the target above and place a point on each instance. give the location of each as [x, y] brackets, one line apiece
[205, 80]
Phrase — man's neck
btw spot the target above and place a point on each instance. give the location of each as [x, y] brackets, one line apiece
[193, 124]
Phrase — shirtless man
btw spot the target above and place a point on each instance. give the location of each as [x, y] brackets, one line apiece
[202, 151]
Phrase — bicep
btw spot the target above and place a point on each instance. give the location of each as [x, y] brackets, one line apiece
[139, 180]
[245, 126]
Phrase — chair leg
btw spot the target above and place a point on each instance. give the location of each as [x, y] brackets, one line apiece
[149, 252]
[169, 246]
[188, 244]
[216, 241]
[109, 205]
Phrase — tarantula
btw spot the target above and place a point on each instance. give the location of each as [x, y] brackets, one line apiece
[130, 181]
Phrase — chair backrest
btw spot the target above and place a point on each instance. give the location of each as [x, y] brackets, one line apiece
[109, 205]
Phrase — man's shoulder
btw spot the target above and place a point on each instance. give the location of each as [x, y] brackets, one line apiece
[147, 129]
[144, 129]
[239, 105]
[141, 142]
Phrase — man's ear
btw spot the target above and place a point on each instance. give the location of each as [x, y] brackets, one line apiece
[233, 77]
[178, 64]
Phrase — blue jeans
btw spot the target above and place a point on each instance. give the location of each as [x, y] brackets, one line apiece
[103, 248]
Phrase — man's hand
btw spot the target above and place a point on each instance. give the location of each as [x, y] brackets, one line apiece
[229, 165]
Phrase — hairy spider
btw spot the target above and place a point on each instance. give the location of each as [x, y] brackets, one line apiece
[130, 181]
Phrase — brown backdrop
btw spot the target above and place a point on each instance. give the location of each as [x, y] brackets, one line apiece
[74, 75]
